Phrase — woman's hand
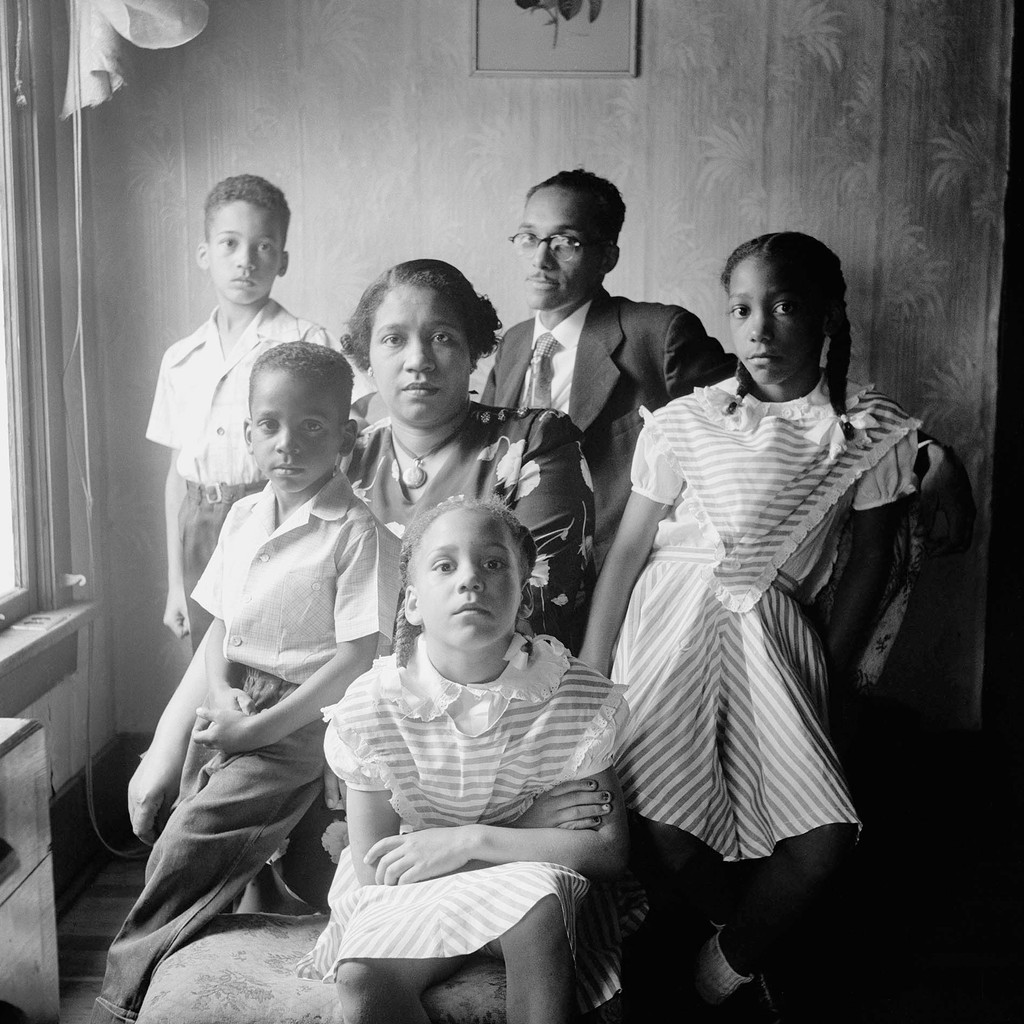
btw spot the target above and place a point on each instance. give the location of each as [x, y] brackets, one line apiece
[417, 856]
[579, 803]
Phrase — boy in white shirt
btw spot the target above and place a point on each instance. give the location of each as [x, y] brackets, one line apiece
[200, 402]
[301, 585]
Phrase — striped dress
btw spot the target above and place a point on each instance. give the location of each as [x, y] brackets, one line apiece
[725, 676]
[455, 755]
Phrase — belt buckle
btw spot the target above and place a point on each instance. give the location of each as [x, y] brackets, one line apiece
[214, 493]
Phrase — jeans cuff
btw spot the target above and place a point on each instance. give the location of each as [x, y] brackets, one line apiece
[105, 1012]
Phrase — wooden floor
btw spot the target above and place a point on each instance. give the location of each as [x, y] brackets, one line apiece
[86, 929]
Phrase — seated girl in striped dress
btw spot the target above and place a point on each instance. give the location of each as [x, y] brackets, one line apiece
[740, 492]
[443, 747]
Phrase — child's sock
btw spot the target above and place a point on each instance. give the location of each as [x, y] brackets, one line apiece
[713, 976]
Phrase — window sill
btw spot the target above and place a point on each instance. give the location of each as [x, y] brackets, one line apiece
[33, 661]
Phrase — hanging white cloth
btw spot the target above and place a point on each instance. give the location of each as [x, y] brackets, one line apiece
[97, 28]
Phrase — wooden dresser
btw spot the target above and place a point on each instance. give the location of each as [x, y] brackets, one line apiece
[29, 989]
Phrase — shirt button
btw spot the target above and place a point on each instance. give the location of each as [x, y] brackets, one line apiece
[248, 598]
[236, 641]
[264, 558]
[220, 431]
[316, 586]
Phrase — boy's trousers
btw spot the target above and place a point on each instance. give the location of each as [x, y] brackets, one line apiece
[234, 813]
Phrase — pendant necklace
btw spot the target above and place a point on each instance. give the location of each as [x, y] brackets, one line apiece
[415, 476]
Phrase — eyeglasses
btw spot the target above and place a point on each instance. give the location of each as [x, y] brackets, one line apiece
[564, 248]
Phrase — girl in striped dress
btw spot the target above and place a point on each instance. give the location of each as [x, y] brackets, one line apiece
[740, 492]
[443, 746]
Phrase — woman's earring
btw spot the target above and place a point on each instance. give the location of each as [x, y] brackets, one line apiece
[369, 371]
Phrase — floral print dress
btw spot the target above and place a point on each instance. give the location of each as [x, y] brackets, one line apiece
[532, 460]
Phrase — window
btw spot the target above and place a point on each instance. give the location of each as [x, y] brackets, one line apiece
[8, 577]
[34, 508]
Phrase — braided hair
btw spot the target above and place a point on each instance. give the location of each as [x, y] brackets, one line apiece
[819, 267]
[522, 542]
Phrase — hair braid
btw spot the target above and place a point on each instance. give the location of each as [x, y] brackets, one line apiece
[837, 365]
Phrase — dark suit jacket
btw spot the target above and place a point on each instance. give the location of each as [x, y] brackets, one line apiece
[630, 354]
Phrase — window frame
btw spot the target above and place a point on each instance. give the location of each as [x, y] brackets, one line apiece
[30, 240]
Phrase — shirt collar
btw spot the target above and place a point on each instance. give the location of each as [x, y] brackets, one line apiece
[269, 322]
[568, 332]
[535, 668]
[332, 502]
[203, 335]
[818, 395]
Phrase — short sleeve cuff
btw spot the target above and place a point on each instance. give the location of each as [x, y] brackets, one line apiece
[655, 472]
[348, 766]
[598, 748]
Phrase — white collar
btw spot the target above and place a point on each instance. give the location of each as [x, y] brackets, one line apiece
[535, 668]
[813, 412]
[332, 501]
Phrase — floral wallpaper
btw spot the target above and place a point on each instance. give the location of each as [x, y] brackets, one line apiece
[878, 125]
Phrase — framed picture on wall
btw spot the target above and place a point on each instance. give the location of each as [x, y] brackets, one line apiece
[555, 37]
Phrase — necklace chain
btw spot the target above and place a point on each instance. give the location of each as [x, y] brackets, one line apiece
[416, 476]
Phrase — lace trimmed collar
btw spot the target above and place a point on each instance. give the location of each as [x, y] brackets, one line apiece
[813, 412]
[535, 668]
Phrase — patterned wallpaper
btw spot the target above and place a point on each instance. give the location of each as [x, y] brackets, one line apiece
[878, 125]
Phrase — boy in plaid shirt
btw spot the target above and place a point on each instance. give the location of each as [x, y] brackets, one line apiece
[302, 583]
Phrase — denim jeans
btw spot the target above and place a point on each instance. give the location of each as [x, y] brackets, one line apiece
[234, 813]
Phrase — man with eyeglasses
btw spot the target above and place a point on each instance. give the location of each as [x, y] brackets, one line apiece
[587, 353]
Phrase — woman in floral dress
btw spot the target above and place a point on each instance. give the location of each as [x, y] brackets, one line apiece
[418, 331]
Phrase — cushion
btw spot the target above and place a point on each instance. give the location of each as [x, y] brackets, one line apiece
[241, 970]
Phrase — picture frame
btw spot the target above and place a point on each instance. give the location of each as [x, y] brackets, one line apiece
[555, 38]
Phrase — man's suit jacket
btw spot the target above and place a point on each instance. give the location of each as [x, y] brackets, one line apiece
[630, 354]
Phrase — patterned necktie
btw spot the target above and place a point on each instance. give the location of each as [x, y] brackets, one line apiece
[541, 371]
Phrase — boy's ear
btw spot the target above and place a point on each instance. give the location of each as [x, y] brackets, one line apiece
[247, 430]
[203, 255]
[412, 607]
[348, 438]
[284, 264]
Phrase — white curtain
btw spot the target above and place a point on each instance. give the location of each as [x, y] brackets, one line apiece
[99, 29]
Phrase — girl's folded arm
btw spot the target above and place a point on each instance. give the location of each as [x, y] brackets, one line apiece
[370, 817]
[622, 567]
[596, 853]
[431, 853]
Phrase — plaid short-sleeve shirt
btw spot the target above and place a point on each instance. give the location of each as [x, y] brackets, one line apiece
[202, 396]
[289, 594]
